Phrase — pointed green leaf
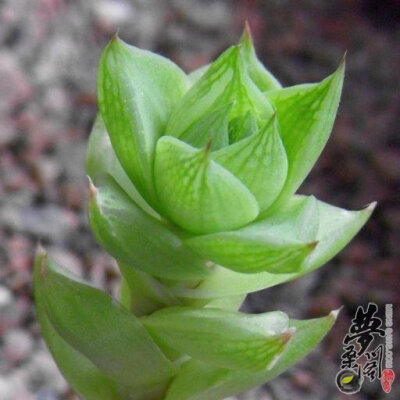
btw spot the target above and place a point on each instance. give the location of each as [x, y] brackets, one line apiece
[107, 334]
[251, 254]
[259, 162]
[135, 238]
[278, 244]
[85, 378]
[198, 194]
[256, 70]
[199, 381]
[101, 162]
[306, 114]
[224, 82]
[136, 92]
[336, 228]
[222, 338]
[213, 126]
[201, 97]
[258, 73]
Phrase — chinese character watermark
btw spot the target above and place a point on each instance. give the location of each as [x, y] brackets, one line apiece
[367, 351]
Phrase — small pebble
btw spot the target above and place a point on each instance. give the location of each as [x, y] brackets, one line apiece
[18, 345]
[6, 297]
[113, 13]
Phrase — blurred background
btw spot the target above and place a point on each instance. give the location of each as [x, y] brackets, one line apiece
[49, 50]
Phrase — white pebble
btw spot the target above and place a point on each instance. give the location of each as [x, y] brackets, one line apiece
[6, 297]
[18, 344]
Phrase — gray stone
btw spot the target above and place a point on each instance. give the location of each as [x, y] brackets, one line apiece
[6, 297]
[47, 222]
[18, 345]
[42, 373]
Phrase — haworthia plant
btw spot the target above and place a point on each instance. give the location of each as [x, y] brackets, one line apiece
[192, 191]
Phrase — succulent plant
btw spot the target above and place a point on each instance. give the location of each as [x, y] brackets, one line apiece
[192, 191]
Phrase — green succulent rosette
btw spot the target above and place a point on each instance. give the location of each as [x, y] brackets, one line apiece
[192, 191]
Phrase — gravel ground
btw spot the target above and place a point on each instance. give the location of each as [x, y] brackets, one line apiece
[49, 51]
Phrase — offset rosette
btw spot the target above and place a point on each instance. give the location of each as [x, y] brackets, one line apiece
[200, 172]
[193, 182]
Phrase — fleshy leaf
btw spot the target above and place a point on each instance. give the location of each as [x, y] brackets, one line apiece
[200, 381]
[298, 219]
[224, 82]
[85, 378]
[144, 294]
[195, 75]
[259, 162]
[198, 194]
[232, 303]
[135, 238]
[242, 127]
[250, 254]
[101, 162]
[258, 73]
[222, 338]
[137, 90]
[107, 334]
[336, 228]
[306, 114]
[213, 126]
[278, 244]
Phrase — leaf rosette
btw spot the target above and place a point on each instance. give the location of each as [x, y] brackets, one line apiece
[193, 182]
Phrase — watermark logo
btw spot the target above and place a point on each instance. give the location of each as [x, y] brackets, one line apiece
[367, 351]
[348, 381]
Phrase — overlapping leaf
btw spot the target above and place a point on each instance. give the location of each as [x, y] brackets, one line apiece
[242, 127]
[143, 294]
[335, 229]
[224, 82]
[276, 245]
[223, 338]
[86, 379]
[210, 127]
[196, 74]
[105, 333]
[263, 79]
[137, 90]
[259, 74]
[199, 381]
[232, 303]
[101, 162]
[198, 194]
[138, 240]
[259, 162]
[306, 114]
